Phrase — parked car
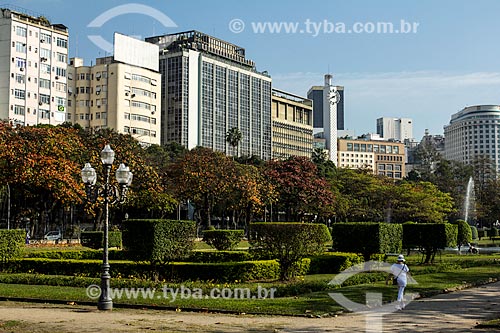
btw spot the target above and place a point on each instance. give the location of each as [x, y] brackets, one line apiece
[53, 235]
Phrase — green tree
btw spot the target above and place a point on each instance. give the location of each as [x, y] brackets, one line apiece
[289, 242]
[420, 202]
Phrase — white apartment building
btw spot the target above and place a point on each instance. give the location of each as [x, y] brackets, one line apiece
[122, 92]
[474, 132]
[33, 68]
[399, 129]
[115, 95]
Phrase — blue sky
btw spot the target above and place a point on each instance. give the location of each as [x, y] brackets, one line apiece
[451, 61]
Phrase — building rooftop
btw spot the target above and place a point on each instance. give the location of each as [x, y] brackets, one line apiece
[291, 97]
[200, 41]
[31, 17]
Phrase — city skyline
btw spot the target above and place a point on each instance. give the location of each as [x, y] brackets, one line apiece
[448, 63]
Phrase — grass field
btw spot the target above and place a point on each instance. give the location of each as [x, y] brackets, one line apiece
[306, 296]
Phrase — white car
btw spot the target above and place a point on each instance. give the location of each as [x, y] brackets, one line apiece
[53, 235]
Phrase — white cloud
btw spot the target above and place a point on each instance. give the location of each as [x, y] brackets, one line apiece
[429, 97]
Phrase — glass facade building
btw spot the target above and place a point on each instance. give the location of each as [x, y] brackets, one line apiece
[208, 88]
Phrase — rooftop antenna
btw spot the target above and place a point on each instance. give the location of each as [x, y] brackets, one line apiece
[76, 45]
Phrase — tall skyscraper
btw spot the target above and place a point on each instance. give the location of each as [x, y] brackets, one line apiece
[399, 129]
[119, 92]
[33, 64]
[316, 95]
[208, 88]
[473, 133]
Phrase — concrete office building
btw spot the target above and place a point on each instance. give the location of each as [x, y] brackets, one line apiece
[33, 68]
[122, 95]
[316, 95]
[382, 157]
[291, 125]
[473, 133]
[208, 88]
[399, 129]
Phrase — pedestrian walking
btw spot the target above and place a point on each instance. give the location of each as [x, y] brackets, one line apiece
[399, 272]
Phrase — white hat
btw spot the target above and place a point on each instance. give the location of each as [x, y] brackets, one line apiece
[401, 258]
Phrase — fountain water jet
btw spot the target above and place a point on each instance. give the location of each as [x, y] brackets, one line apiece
[469, 200]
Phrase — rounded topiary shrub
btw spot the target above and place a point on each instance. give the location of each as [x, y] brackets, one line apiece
[223, 240]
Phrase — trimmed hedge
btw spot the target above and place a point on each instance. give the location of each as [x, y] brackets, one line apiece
[219, 256]
[92, 239]
[12, 243]
[333, 262]
[474, 232]
[289, 242]
[158, 241]
[367, 238]
[182, 271]
[78, 254]
[429, 237]
[464, 235]
[95, 239]
[493, 232]
[482, 233]
[223, 240]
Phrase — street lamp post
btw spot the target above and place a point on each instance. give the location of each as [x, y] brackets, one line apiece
[111, 194]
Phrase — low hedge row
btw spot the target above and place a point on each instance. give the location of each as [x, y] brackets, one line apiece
[327, 263]
[220, 256]
[333, 262]
[195, 256]
[179, 271]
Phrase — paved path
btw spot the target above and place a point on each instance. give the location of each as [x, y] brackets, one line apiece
[454, 312]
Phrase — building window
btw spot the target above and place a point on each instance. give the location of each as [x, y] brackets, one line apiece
[44, 68]
[44, 83]
[44, 99]
[21, 47]
[20, 94]
[45, 38]
[61, 42]
[20, 63]
[19, 110]
[62, 57]
[61, 71]
[44, 54]
[61, 101]
[20, 31]
[20, 78]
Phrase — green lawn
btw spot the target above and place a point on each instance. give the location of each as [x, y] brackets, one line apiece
[431, 280]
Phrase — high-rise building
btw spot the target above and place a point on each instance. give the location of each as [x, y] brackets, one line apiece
[122, 95]
[382, 157]
[33, 65]
[291, 124]
[399, 129]
[473, 133]
[208, 88]
[316, 95]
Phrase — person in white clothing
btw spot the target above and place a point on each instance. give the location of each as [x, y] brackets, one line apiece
[400, 271]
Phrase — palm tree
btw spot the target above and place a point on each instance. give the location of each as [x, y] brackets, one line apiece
[233, 137]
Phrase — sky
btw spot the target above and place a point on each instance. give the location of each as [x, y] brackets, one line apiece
[444, 57]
